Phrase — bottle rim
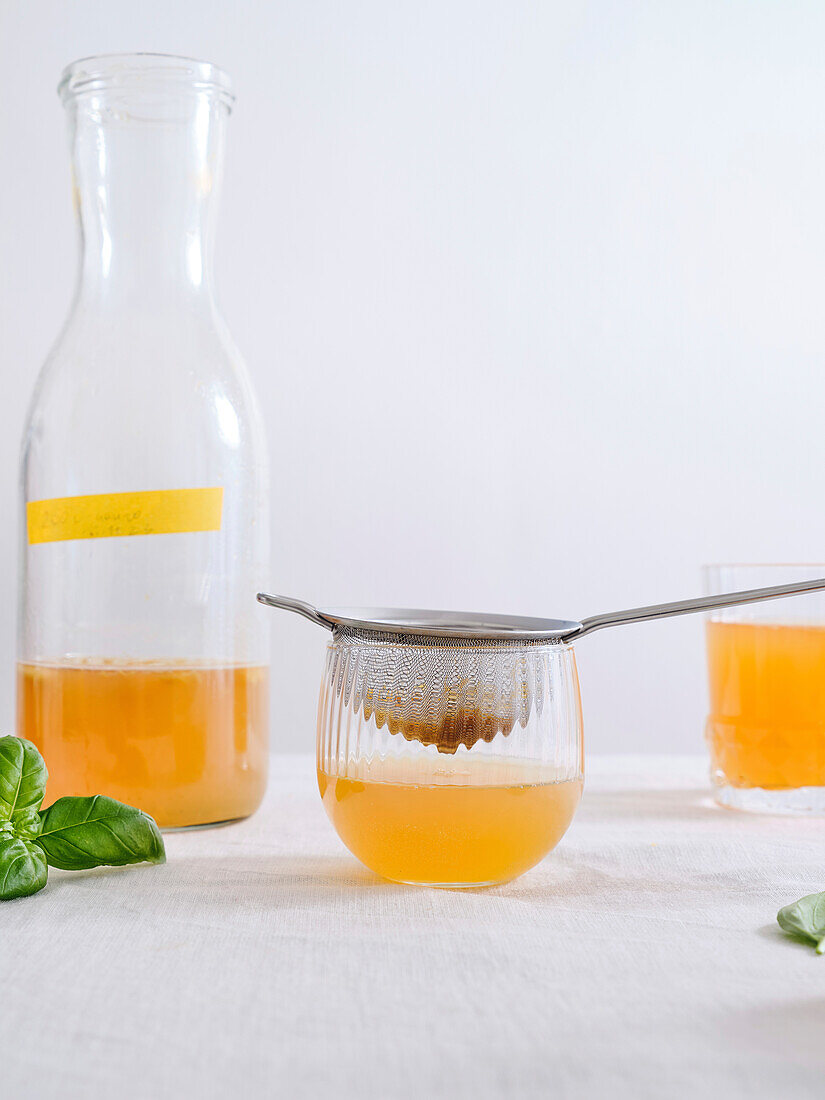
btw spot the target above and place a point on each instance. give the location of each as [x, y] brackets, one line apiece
[144, 72]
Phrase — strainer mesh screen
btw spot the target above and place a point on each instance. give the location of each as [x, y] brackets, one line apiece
[441, 692]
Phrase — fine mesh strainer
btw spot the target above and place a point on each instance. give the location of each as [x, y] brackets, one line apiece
[447, 679]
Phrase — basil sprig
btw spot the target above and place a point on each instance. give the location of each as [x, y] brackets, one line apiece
[73, 833]
[805, 920]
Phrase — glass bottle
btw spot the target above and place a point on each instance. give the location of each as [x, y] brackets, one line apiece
[143, 657]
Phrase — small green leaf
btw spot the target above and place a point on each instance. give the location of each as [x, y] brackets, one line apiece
[79, 833]
[23, 869]
[23, 776]
[805, 919]
[26, 823]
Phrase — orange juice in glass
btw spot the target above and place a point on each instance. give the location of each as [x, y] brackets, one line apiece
[766, 674]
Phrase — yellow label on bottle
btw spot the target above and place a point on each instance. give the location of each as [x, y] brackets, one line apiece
[108, 515]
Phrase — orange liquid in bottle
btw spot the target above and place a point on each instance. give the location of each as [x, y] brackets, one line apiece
[767, 704]
[445, 834]
[187, 743]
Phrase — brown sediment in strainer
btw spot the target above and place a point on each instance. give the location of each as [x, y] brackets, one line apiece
[458, 726]
[449, 718]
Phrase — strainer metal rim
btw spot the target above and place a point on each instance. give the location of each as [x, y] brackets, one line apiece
[468, 625]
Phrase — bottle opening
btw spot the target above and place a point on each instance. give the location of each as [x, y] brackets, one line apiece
[144, 73]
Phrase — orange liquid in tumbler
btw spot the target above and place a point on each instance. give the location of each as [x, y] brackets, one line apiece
[767, 704]
[447, 834]
[185, 742]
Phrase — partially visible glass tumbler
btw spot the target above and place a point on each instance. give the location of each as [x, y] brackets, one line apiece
[766, 672]
[143, 657]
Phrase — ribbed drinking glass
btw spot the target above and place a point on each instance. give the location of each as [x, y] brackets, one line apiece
[447, 762]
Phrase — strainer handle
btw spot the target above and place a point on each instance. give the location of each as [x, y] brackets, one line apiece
[300, 607]
[687, 607]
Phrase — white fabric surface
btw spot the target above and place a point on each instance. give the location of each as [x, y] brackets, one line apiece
[641, 959]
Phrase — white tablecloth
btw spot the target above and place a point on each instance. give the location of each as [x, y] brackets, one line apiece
[641, 959]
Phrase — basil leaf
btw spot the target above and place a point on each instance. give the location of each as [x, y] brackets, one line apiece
[79, 833]
[23, 869]
[26, 823]
[805, 919]
[23, 776]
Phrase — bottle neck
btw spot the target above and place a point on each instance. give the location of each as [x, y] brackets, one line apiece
[146, 174]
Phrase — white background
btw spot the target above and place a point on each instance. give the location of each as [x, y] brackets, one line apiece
[531, 294]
